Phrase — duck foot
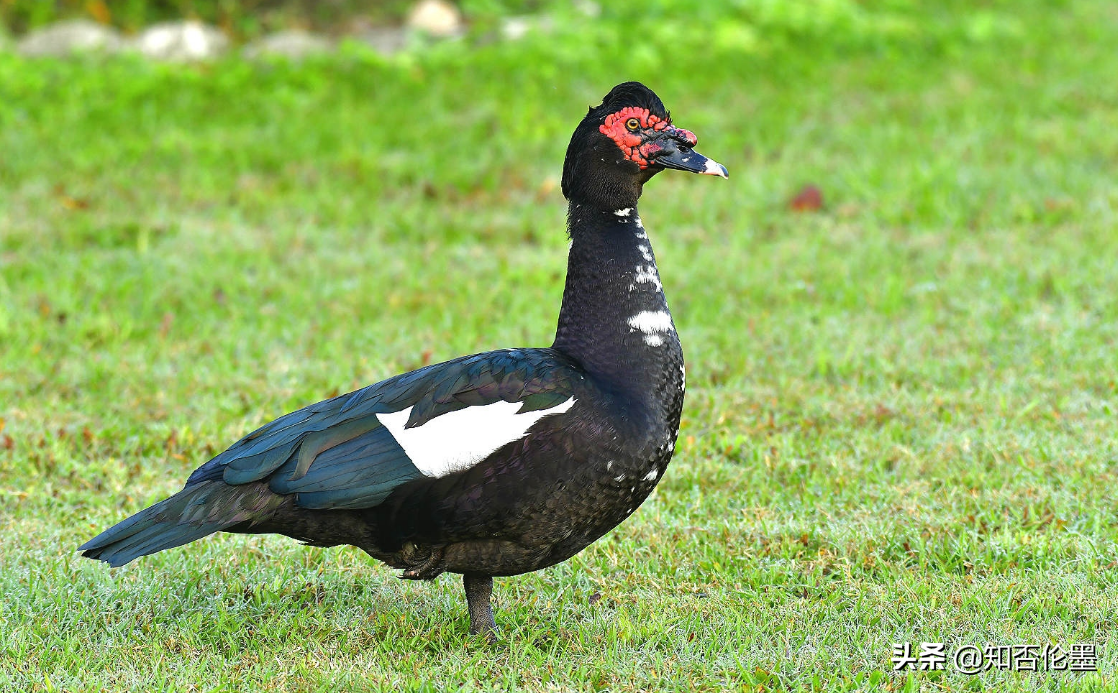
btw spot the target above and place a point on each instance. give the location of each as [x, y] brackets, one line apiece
[428, 569]
[479, 591]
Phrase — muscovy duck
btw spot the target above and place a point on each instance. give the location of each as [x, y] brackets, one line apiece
[494, 464]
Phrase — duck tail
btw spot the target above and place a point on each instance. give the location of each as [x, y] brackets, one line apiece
[196, 511]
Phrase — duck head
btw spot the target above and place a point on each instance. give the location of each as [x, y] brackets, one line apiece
[622, 143]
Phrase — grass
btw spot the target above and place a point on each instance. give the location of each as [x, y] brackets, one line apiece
[900, 423]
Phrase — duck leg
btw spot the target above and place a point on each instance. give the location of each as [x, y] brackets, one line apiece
[479, 590]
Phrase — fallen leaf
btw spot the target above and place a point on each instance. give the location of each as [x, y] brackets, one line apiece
[808, 199]
[74, 203]
[99, 10]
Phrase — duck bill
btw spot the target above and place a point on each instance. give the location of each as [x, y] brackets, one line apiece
[683, 158]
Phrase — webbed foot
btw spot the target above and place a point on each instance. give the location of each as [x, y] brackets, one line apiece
[429, 569]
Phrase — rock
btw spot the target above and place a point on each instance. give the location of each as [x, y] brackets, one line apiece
[436, 17]
[588, 8]
[74, 36]
[289, 44]
[385, 40]
[515, 28]
[181, 41]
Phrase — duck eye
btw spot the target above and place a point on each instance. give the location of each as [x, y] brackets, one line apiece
[633, 124]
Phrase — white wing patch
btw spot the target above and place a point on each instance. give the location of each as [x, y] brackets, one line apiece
[460, 439]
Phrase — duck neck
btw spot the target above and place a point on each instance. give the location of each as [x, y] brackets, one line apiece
[615, 320]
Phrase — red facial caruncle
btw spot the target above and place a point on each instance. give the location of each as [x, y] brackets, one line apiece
[625, 127]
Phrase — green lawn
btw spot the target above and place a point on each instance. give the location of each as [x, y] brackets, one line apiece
[901, 420]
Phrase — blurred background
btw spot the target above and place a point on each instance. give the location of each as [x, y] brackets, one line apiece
[898, 315]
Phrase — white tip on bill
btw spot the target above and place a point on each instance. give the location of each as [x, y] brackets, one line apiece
[713, 168]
